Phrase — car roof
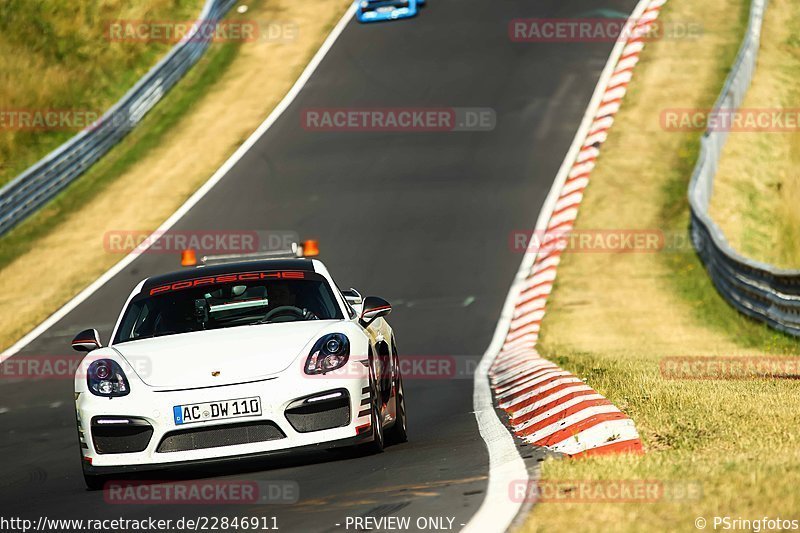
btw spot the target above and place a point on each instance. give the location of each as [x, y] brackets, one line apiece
[228, 268]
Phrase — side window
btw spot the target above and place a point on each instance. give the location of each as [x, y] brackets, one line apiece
[350, 310]
[140, 320]
[133, 320]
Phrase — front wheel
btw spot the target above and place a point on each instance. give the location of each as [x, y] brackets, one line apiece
[376, 446]
[398, 432]
[376, 420]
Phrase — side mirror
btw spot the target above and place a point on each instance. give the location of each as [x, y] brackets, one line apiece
[374, 307]
[86, 341]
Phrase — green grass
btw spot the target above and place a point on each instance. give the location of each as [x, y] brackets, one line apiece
[55, 55]
[145, 137]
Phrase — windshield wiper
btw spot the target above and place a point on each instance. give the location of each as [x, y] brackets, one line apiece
[150, 336]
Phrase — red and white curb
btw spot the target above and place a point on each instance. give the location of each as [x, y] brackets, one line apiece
[548, 406]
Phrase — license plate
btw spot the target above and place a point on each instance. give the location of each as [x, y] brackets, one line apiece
[203, 412]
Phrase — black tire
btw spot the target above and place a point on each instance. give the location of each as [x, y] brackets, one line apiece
[94, 482]
[376, 421]
[398, 433]
[378, 438]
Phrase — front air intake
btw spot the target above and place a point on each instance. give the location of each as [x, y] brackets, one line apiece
[120, 434]
[219, 436]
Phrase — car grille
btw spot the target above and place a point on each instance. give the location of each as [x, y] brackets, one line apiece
[131, 438]
[219, 436]
[315, 416]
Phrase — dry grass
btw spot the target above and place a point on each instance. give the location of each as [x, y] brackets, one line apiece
[757, 194]
[614, 317]
[152, 188]
[55, 55]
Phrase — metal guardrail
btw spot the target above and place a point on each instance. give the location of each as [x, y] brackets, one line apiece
[759, 290]
[46, 178]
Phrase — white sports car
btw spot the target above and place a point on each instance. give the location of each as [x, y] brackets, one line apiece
[237, 360]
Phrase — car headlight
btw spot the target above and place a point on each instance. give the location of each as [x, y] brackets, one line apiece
[106, 378]
[329, 353]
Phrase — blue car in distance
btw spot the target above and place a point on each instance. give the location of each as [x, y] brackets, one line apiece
[377, 10]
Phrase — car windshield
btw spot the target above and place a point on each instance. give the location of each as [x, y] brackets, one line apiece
[373, 4]
[222, 305]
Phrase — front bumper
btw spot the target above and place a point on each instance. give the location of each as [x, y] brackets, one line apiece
[147, 406]
[95, 470]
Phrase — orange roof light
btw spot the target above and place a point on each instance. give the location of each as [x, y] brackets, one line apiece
[310, 248]
[188, 258]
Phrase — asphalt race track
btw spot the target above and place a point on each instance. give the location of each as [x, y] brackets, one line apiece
[420, 218]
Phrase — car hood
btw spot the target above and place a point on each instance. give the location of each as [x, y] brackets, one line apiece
[220, 356]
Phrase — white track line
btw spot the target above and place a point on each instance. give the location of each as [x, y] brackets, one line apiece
[196, 197]
[498, 512]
